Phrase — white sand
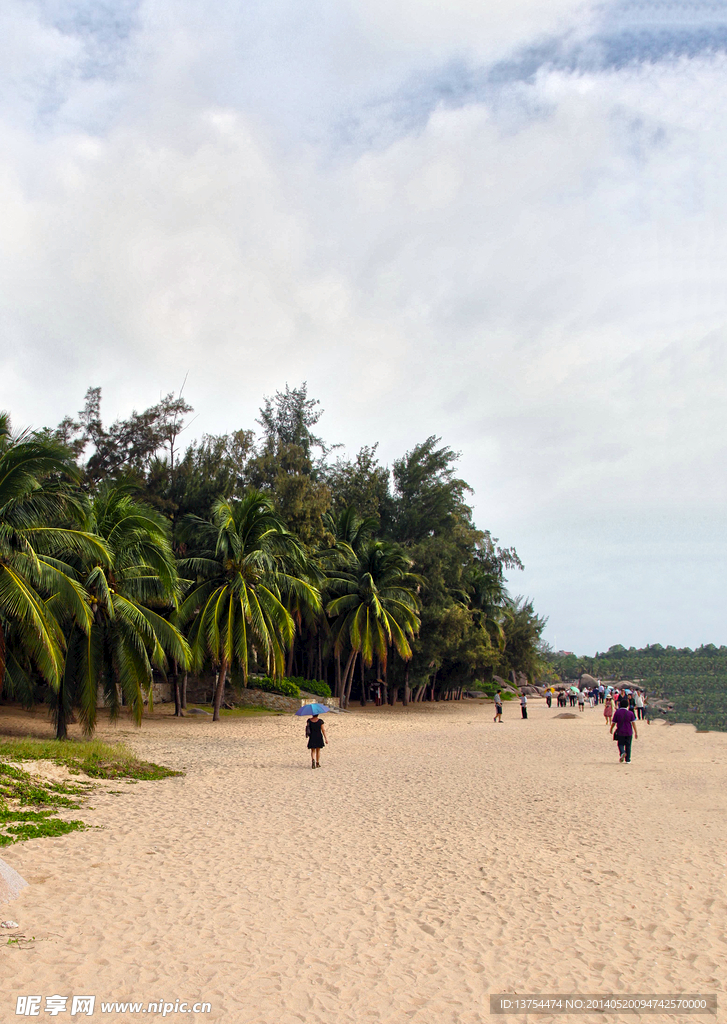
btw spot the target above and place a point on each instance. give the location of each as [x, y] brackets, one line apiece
[436, 858]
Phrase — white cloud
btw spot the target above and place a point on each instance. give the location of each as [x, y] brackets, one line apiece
[535, 271]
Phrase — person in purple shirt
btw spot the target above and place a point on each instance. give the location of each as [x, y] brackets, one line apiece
[624, 723]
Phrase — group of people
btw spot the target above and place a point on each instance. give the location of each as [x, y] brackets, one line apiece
[621, 709]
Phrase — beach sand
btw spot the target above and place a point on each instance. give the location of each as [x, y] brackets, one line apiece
[435, 858]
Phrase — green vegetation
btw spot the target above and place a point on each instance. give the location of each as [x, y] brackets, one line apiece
[93, 758]
[283, 686]
[20, 789]
[124, 559]
[694, 681]
[316, 686]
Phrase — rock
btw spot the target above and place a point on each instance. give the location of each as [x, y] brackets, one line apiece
[11, 885]
[587, 680]
[198, 711]
[9, 924]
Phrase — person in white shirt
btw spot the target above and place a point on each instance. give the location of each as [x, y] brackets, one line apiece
[639, 704]
[524, 705]
[581, 700]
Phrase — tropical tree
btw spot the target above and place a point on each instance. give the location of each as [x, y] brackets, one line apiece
[39, 532]
[523, 631]
[129, 595]
[247, 566]
[376, 609]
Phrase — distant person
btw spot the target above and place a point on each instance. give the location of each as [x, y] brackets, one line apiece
[581, 700]
[601, 692]
[624, 722]
[639, 704]
[549, 699]
[524, 705]
[498, 707]
[646, 710]
[608, 709]
[632, 703]
[572, 699]
[315, 730]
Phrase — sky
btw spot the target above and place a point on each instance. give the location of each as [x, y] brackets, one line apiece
[503, 222]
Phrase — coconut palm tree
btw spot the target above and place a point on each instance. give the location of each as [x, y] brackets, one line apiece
[128, 596]
[40, 520]
[376, 608]
[487, 600]
[248, 566]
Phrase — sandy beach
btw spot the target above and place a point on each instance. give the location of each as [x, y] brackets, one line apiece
[434, 859]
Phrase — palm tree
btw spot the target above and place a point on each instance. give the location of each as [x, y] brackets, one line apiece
[39, 532]
[487, 600]
[248, 567]
[377, 608]
[128, 596]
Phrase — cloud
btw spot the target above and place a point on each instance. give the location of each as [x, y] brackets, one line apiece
[475, 220]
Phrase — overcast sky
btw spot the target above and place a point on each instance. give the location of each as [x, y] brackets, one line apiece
[500, 221]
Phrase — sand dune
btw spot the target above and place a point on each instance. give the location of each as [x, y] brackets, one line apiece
[434, 859]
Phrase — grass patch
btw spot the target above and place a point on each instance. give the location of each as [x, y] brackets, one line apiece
[19, 789]
[94, 758]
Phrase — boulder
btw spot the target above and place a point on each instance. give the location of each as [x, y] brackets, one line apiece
[587, 680]
[11, 883]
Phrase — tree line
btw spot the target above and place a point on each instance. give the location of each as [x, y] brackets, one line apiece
[125, 553]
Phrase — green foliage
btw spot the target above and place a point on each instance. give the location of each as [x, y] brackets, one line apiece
[316, 686]
[290, 562]
[284, 686]
[20, 789]
[34, 825]
[91, 757]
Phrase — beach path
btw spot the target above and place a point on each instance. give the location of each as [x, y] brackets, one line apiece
[434, 859]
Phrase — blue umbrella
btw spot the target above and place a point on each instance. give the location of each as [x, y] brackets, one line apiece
[312, 709]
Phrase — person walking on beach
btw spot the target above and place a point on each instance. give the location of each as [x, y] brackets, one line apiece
[639, 702]
[498, 707]
[581, 700]
[601, 692]
[608, 709]
[524, 705]
[315, 730]
[624, 722]
[549, 698]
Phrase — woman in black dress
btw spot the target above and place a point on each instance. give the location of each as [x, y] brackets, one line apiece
[315, 730]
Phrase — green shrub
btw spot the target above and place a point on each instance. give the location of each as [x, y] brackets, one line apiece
[283, 686]
[317, 686]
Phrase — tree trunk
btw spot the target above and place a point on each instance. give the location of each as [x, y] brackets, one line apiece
[337, 687]
[405, 701]
[344, 680]
[362, 698]
[289, 665]
[219, 690]
[184, 692]
[175, 691]
[320, 656]
[61, 722]
[348, 677]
